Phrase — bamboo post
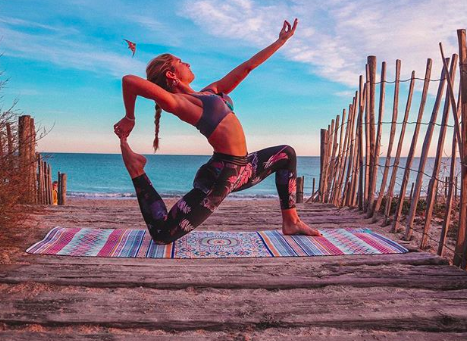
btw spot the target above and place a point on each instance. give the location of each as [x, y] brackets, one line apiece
[347, 187]
[367, 139]
[32, 165]
[449, 201]
[360, 143]
[330, 159]
[395, 110]
[411, 191]
[353, 159]
[439, 154]
[49, 182]
[322, 166]
[455, 186]
[395, 224]
[313, 188]
[371, 208]
[344, 159]
[39, 175]
[299, 189]
[62, 189]
[424, 156]
[372, 167]
[24, 160]
[341, 158]
[460, 257]
[446, 187]
[334, 158]
[395, 166]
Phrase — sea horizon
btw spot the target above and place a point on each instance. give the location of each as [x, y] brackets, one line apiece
[103, 175]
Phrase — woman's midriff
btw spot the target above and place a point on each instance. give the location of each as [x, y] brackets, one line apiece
[228, 137]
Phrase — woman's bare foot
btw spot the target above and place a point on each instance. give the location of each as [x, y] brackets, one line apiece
[299, 227]
[291, 224]
[134, 163]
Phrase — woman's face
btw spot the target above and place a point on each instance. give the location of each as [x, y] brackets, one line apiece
[183, 71]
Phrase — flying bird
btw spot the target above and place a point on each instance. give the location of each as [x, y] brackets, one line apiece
[131, 46]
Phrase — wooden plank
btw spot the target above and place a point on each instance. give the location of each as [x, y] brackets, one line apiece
[244, 277]
[259, 333]
[395, 166]
[413, 145]
[152, 309]
[424, 156]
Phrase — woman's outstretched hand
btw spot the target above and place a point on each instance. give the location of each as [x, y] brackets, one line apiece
[287, 30]
[123, 127]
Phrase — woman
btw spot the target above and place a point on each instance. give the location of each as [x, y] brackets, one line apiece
[230, 169]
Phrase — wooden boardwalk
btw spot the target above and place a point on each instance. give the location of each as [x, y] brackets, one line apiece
[414, 296]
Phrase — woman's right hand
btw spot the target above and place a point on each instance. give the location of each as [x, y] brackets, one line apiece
[124, 127]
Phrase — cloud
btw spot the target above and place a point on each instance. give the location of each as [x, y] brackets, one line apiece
[334, 37]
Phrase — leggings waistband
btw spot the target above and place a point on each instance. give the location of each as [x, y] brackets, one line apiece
[236, 160]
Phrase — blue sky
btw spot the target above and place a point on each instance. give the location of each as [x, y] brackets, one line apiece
[65, 62]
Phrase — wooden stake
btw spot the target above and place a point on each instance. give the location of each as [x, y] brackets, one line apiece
[431, 194]
[299, 188]
[340, 166]
[460, 257]
[392, 182]
[424, 156]
[361, 105]
[367, 140]
[62, 189]
[322, 166]
[395, 110]
[405, 179]
[449, 201]
[371, 60]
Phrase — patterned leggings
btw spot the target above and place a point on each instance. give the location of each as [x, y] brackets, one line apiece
[221, 175]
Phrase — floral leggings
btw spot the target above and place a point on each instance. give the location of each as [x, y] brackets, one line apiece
[221, 175]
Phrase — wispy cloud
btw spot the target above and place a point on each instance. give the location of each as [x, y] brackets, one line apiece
[335, 37]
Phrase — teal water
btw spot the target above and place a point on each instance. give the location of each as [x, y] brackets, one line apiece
[104, 175]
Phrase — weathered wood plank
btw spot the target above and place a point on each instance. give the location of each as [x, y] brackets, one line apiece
[270, 334]
[254, 276]
[211, 309]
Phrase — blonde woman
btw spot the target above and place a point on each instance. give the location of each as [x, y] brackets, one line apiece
[230, 169]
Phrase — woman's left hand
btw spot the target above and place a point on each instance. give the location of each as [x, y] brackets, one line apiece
[287, 30]
[124, 127]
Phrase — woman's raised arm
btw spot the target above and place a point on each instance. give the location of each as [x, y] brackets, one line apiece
[134, 86]
[237, 75]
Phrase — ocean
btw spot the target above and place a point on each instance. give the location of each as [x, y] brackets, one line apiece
[105, 176]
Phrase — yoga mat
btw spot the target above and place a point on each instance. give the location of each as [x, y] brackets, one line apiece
[126, 243]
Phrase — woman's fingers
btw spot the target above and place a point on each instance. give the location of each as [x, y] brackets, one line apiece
[295, 22]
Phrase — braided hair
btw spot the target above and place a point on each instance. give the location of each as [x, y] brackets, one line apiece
[155, 73]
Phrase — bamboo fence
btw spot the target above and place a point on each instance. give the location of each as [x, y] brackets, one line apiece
[350, 154]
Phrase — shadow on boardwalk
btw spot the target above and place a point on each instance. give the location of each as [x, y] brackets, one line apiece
[413, 296]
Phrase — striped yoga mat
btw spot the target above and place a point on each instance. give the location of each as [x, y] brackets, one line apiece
[212, 244]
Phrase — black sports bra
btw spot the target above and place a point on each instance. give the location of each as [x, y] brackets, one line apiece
[215, 108]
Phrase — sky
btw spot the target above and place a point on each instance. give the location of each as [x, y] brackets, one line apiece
[65, 60]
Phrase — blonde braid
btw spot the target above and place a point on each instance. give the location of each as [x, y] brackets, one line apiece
[155, 73]
[157, 118]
